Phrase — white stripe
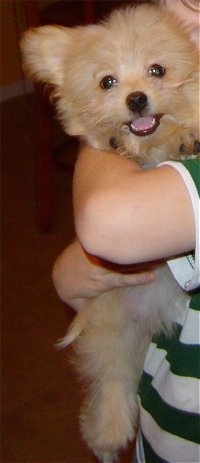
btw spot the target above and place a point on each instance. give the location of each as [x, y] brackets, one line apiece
[191, 330]
[181, 315]
[182, 270]
[152, 362]
[173, 389]
[140, 456]
[167, 446]
[192, 190]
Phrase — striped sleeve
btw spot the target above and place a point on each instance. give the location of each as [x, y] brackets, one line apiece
[186, 269]
[169, 397]
[169, 392]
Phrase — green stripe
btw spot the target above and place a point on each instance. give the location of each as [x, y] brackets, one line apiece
[194, 169]
[177, 422]
[184, 359]
[150, 455]
[195, 302]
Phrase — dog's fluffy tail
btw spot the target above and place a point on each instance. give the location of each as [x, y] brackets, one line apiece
[77, 327]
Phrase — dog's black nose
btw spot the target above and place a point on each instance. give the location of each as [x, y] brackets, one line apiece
[136, 101]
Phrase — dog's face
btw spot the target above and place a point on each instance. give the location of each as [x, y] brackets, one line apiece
[130, 82]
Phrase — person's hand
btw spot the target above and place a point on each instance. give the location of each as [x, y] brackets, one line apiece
[78, 276]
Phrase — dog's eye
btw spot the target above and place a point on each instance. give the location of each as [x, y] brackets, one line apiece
[156, 70]
[108, 82]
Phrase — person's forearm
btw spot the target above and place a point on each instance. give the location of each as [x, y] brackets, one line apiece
[127, 215]
[78, 277]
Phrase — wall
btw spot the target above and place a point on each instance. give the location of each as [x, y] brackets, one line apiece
[10, 61]
[12, 24]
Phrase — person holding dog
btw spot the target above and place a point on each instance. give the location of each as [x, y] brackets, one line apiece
[155, 217]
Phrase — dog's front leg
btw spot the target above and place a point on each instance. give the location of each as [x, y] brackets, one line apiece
[110, 358]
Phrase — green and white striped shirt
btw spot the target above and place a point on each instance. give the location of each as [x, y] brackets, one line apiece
[169, 393]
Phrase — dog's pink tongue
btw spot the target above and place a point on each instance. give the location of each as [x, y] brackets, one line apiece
[144, 125]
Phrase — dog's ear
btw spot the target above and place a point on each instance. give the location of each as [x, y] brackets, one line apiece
[44, 52]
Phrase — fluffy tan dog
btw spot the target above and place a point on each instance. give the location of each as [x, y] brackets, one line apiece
[129, 83]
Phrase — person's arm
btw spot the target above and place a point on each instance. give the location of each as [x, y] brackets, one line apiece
[78, 277]
[128, 215]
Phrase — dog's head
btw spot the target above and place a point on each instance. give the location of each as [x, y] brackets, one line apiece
[130, 82]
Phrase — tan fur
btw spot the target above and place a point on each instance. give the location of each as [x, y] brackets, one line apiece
[111, 339]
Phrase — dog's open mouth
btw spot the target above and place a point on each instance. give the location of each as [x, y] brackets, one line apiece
[144, 125]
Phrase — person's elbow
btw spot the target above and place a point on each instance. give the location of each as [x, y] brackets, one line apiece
[57, 279]
[90, 226]
[94, 223]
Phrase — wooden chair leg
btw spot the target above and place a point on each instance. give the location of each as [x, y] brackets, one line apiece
[44, 165]
[89, 10]
[44, 158]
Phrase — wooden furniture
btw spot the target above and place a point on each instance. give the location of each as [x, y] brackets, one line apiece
[44, 146]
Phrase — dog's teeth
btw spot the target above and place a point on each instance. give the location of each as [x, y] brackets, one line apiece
[144, 125]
